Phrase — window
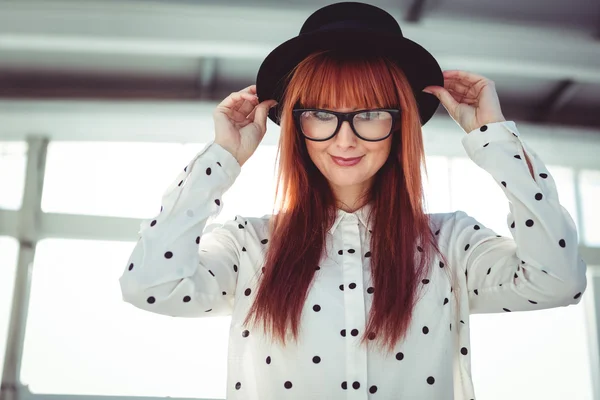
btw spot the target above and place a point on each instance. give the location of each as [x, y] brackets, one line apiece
[8, 262]
[437, 185]
[590, 198]
[13, 160]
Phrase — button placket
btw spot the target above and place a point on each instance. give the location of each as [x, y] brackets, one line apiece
[354, 306]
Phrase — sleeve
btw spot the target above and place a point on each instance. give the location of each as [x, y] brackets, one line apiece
[540, 267]
[176, 268]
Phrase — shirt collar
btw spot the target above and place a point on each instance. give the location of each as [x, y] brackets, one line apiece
[362, 214]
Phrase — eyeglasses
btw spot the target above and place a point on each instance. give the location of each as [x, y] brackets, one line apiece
[320, 125]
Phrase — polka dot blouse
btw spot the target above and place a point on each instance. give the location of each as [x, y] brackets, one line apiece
[179, 268]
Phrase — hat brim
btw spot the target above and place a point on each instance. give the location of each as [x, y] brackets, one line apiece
[419, 66]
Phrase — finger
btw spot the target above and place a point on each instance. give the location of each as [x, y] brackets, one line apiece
[232, 114]
[261, 112]
[447, 100]
[248, 105]
[235, 100]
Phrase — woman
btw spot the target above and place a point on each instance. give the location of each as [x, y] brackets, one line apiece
[351, 290]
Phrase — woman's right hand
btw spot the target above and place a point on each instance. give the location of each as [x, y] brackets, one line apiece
[241, 123]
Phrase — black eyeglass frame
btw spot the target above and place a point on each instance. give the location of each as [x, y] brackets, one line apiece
[348, 116]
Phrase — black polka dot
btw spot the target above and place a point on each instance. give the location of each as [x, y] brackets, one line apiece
[476, 291]
[224, 293]
[354, 332]
[317, 307]
[343, 332]
[318, 268]
[516, 276]
[185, 169]
[344, 385]
[539, 196]
[464, 351]
[489, 270]
[208, 171]
[367, 254]
[268, 360]
[529, 222]
[506, 309]
[238, 386]
[153, 223]
[503, 183]
[544, 176]
[467, 247]
[425, 330]
[518, 157]
[287, 384]
[264, 241]
[218, 163]
[425, 281]
[356, 385]
[445, 301]
[245, 333]
[235, 268]
[211, 272]
[316, 359]
[476, 227]
[161, 208]
[186, 299]
[247, 292]
[370, 290]
[485, 145]
[577, 295]
[352, 285]
[419, 249]
[399, 356]
[373, 389]
[197, 239]
[151, 300]
[243, 249]
[341, 287]
[437, 232]
[441, 264]
[483, 128]
[532, 302]
[179, 184]
[240, 226]
[218, 202]
[340, 252]
[431, 380]
[263, 269]
[168, 254]
[351, 251]
[512, 225]
[450, 326]
[130, 266]
[562, 243]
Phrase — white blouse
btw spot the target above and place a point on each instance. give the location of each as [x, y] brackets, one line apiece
[179, 268]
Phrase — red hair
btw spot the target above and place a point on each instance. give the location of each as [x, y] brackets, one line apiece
[402, 242]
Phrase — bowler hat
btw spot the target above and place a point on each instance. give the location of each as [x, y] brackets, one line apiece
[358, 28]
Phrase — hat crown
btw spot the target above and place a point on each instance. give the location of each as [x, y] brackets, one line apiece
[350, 16]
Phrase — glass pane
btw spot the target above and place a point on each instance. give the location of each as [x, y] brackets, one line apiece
[13, 162]
[83, 339]
[437, 184]
[9, 252]
[589, 181]
[117, 179]
[532, 355]
[474, 191]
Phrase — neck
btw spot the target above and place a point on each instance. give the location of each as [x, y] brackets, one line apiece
[350, 198]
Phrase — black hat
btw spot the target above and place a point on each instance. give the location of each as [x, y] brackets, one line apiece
[357, 27]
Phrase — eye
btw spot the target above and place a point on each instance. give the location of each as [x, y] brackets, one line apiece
[319, 115]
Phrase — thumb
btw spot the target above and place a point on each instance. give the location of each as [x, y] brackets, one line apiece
[443, 95]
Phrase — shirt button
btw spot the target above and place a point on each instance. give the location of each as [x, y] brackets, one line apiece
[356, 385]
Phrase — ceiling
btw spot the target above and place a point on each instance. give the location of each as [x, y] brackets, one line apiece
[544, 56]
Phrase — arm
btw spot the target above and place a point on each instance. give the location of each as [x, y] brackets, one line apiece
[175, 269]
[541, 266]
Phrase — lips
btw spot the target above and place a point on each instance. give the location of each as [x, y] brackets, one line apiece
[346, 162]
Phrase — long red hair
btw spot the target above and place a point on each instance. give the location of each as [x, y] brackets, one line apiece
[402, 242]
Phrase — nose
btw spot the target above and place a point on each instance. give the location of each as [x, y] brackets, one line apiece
[345, 137]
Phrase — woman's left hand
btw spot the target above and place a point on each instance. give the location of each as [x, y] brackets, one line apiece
[470, 99]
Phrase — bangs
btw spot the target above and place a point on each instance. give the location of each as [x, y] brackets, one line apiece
[336, 80]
